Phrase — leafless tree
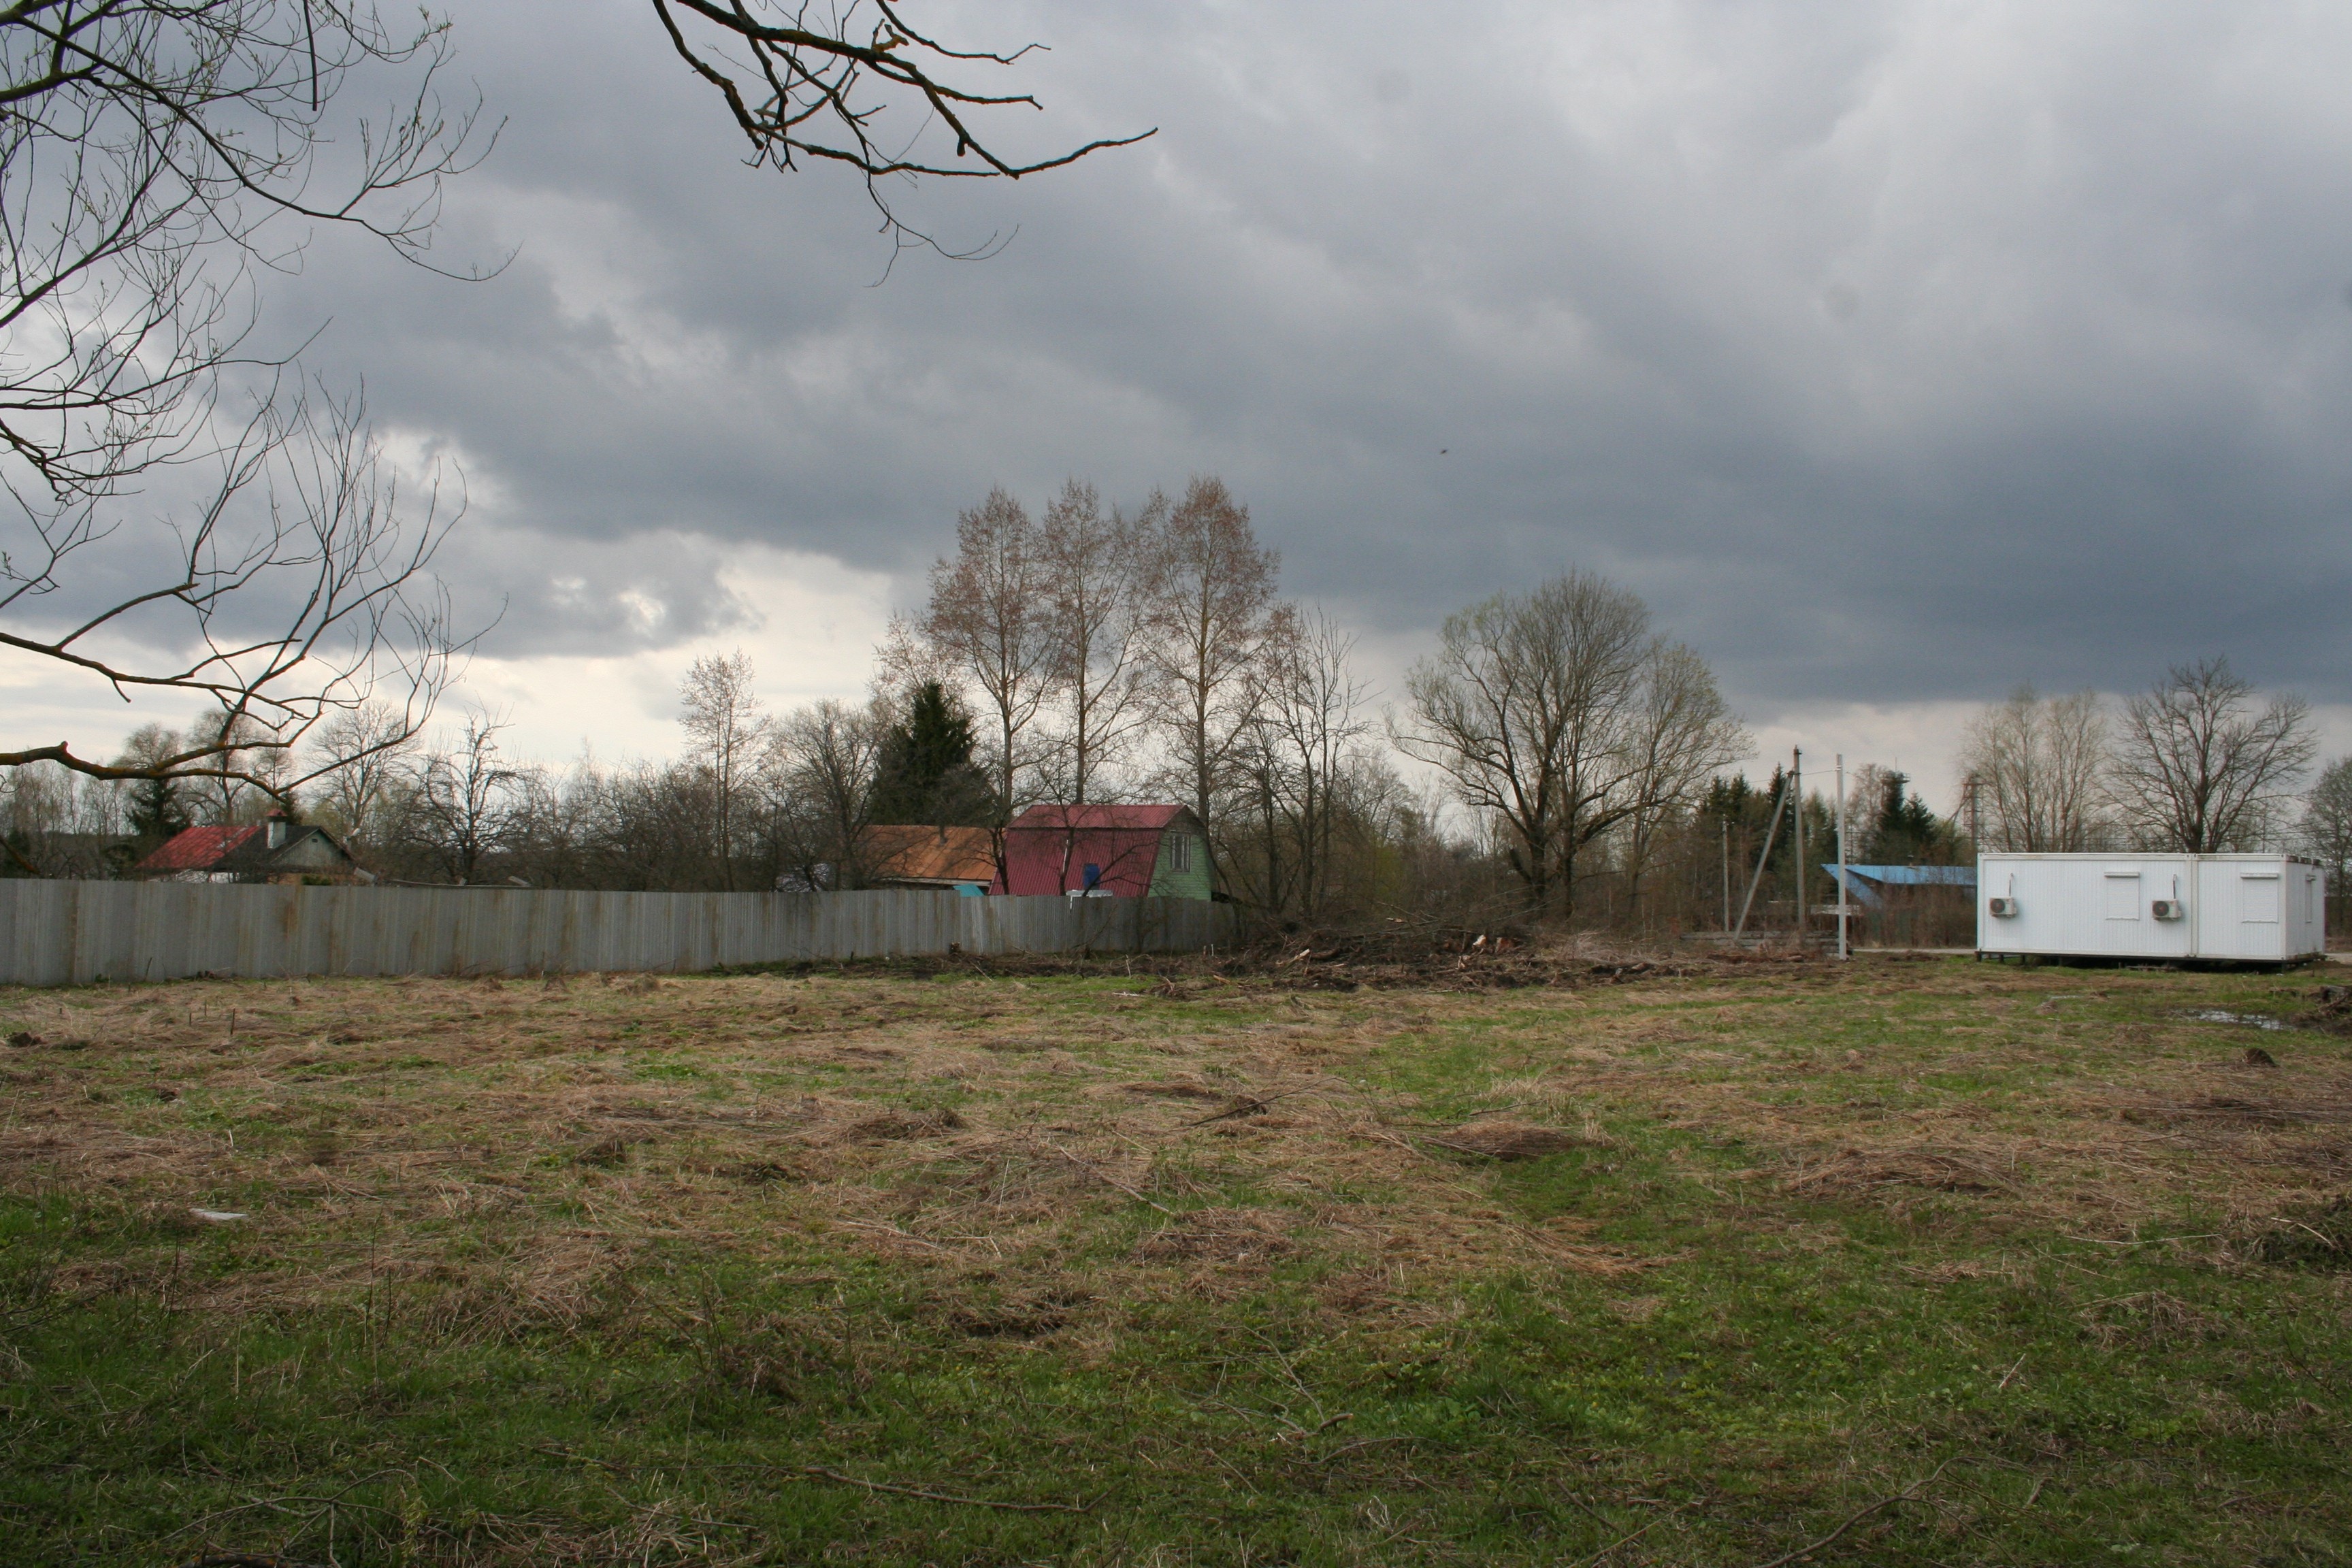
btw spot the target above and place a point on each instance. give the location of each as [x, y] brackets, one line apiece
[2197, 769]
[298, 589]
[1679, 734]
[155, 156]
[1524, 708]
[1213, 614]
[729, 732]
[148, 150]
[806, 83]
[990, 628]
[465, 798]
[1299, 759]
[822, 783]
[1096, 568]
[2326, 831]
[2036, 765]
[360, 761]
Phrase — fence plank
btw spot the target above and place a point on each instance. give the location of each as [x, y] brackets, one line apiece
[62, 933]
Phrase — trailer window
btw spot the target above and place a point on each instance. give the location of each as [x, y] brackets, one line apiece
[2258, 897]
[2123, 895]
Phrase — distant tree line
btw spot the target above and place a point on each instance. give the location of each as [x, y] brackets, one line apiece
[2196, 763]
[1576, 761]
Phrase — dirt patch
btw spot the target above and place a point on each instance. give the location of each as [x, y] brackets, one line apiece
[1176, 1089]
[901, 1126]
[2148, 1320]
[1218, 1236]
[2309, 1235]
[2331, 1010]
[1499, 1137]
[2231, 1110]
[1019, 1317]
[1851, 1170]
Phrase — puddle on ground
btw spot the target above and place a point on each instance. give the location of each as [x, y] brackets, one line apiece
[2259, 1020]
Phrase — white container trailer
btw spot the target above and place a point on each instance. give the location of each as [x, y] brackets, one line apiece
[2255, 909]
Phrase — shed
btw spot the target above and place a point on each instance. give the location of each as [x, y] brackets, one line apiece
[275, 850]
[915, 855]
[2261, 908]
[1869, 885]
[1107, 851]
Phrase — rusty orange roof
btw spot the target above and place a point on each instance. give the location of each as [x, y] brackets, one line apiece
[917, 853]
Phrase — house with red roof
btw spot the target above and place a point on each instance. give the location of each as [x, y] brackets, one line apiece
[276, 850]
[1107, 851]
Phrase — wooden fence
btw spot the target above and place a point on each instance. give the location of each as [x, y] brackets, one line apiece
[61, 932]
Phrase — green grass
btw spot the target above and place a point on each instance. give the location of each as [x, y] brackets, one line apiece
[481, 1333]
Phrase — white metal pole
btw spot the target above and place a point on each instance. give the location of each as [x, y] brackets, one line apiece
[1842, 951]
[1796, 799]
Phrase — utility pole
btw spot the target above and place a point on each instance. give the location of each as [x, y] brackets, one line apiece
[1797, 800]
[1842, 951]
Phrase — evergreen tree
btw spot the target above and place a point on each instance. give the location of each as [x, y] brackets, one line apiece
[1907, 832]
[156, 812]
[926, 774]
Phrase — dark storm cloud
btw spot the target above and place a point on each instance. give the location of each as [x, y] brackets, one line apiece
[1896, 353]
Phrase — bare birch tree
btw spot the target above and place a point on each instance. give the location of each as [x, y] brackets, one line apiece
[989, 628]
[728, 731]
[1096, 568]
[2038, 765]
[1212, 615]
[2198, 770]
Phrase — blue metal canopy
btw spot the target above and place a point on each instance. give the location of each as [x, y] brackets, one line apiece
[1866, 883]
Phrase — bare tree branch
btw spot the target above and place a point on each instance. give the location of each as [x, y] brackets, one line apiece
[803, 84]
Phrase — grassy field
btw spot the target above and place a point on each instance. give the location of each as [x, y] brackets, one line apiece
[1905, 1263]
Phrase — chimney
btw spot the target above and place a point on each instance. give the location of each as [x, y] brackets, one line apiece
[277, 826]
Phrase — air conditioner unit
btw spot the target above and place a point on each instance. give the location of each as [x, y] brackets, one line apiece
[2000, 909]
[2166, 909]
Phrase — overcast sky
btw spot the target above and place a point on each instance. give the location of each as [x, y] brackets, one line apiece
[1896, 353]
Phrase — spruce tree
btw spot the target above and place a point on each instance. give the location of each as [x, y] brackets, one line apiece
[156, 812]
[926, 774]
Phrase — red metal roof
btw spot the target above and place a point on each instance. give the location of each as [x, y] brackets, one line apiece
[1048, 848]
[198, 849]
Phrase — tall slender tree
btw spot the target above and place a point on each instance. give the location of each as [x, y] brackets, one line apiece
[729, 730]
[1097, 571]
[989, 627]
[1212, 615]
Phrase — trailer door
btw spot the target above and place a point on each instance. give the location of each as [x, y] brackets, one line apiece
[2241, 909]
